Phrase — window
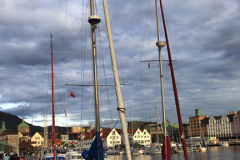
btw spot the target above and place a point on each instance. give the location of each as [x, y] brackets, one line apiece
[110, 137]
[113, 132]
[144, 132]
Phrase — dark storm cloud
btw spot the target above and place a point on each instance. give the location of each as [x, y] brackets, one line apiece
[205, 35]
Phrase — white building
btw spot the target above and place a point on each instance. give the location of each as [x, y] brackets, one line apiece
[141, 137]
[65, 138]
[138, 136]
[220, 126]
[109, 137]
[38, 139]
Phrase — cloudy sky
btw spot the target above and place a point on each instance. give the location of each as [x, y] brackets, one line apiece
[204, 39]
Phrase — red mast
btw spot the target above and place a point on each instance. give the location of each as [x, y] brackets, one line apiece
[174, 87]
[53, 118]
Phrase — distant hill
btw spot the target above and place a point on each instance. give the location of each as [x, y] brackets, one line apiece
[12, 122]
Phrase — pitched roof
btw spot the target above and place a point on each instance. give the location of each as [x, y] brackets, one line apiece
[25, 144]
[230, 117]
[90, 135]
[5, 132]
[130, 131]
[105, 133]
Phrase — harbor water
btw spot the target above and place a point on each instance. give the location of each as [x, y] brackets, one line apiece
[212, 153]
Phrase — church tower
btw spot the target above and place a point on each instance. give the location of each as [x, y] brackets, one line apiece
[23, 127]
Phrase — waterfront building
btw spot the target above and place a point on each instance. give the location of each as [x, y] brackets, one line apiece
[141, 137]
[6, 137]
[236, 125]
[110, 138]
[4, 134]
[65, 138]
[195, 127]
[88, 138]
[57, 140]
[141, 125]
[78, 129]
[138, 136]
[73, 139]
[220, 126]
[37, 140]
[13, 140]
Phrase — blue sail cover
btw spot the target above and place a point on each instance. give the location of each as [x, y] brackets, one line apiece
[96, 151]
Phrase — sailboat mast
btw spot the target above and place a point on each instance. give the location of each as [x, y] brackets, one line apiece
[157, 135]
[174, 87]
[160, 45]
[120, 108]
[93, 20]
[53, 117]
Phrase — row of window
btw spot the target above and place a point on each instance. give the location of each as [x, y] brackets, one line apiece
[218, 121]
[221, 131]
[141, 141]
[113, 137]
[114, 142]
[220, 128]
[218, 125]
[141, 136]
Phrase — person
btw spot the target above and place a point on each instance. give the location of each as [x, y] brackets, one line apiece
[6, 157]
[15, 156]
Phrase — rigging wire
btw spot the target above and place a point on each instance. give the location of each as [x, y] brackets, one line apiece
[141, 56]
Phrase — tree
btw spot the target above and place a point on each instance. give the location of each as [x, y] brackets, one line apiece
[154, 139]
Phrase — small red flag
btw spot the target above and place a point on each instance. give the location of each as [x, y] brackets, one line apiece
[72, 94]
[168, 65]
[149, 65]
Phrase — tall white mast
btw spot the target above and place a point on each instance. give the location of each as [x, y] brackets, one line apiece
[160, 45]
[121, 109]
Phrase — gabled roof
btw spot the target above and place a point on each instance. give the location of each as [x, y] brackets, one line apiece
[90, 135]
[130, 131]
[5, 132]
[38, 134]
[105, 133]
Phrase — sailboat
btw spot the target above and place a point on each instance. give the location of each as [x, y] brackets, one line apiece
[166, 148]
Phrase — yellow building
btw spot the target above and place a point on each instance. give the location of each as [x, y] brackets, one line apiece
[78, 129]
